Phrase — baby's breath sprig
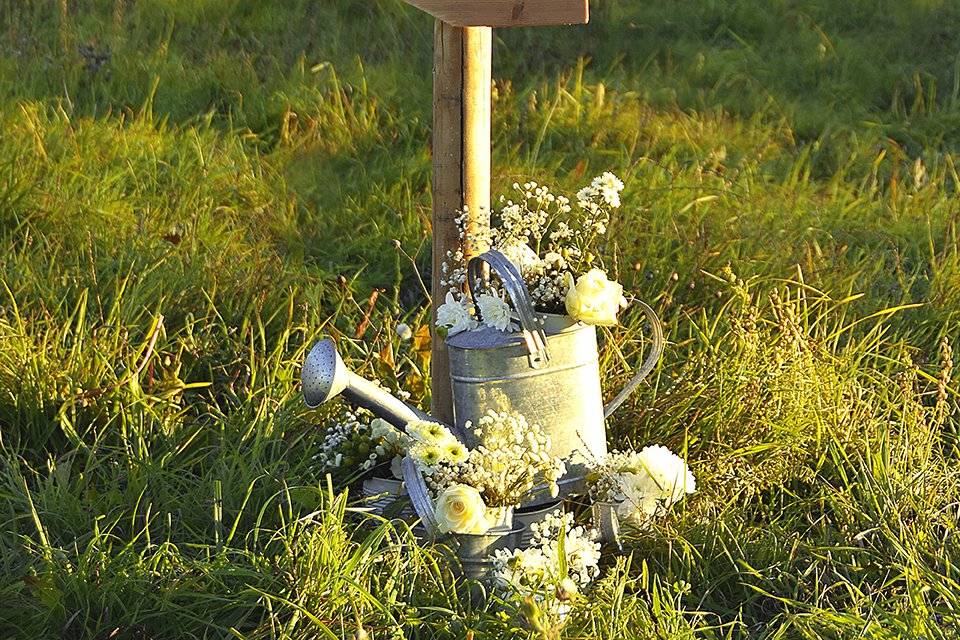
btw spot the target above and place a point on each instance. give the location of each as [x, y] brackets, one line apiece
[562, 559]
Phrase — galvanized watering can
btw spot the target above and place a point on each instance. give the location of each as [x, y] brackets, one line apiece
[548, 372]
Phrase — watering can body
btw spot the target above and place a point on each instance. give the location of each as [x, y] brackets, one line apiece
[490, 369]
[548, 371]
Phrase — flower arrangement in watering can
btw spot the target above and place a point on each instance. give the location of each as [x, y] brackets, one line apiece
[473, 491]
[545, 365]
[548, 371]
[358, 446]
[469, 497]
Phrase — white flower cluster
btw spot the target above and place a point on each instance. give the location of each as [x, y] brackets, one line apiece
[512, 459]
[495, 312]
[528, 220]
[644, 484]
[455, 314]
[522, 256]
[545, 237]
[603, 190]
[357, 442]
[458, 314]
[549, 286]
[537, 571]
[453, 270]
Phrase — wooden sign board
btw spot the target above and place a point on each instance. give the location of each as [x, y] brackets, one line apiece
[506, 13]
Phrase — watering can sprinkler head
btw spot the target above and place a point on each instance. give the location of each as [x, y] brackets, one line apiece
[326, 376]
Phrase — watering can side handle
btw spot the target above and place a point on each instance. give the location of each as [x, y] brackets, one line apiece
[530, 323]
[653, 358]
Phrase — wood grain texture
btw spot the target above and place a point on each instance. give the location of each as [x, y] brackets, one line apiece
[461, 166]
[477, 81]
[447, 191]
[506, 13]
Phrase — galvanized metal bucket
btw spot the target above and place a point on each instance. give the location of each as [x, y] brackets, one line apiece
[548, 372]
[526, 516]
[607, 522]
[475, 550]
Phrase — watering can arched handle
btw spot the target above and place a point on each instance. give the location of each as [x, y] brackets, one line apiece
[530, 323]
[419, 496]
[656, 350]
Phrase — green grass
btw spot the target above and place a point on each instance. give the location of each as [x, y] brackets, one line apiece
[181, 222]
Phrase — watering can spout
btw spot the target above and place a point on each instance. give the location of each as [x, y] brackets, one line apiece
[325, 376]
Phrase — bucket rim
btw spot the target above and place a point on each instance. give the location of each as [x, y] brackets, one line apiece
[485, 337]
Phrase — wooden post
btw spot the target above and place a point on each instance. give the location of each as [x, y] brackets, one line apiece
[461, 167]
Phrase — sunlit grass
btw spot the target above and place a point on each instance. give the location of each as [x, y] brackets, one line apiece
[182, 219]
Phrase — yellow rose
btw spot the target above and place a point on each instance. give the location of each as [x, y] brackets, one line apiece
[594, 299]
[460, 509]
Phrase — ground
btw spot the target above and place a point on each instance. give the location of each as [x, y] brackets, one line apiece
[191, 193]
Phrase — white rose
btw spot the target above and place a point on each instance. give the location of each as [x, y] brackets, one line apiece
[454, 315]
[460, 509]
[640, 497]
[662, 480]
[494, 311]
[668, 471]
[594, 299]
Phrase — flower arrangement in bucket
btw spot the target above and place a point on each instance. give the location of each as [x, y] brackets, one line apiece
[634, 487]
[556, 246]
[356, 444]
[547, 575]
[474, 491]
[471, 501]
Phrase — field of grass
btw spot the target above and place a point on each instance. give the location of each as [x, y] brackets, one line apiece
[191, 193]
